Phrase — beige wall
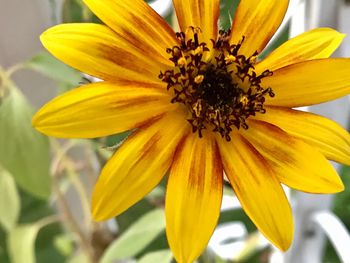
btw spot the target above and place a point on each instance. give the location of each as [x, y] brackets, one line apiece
[21, 22]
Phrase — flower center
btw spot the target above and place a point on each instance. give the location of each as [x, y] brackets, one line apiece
[218, 86]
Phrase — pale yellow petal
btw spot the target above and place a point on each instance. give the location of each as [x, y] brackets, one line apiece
[199, 13]
[193, 197]
[97, 50]
[296, 163]
[101, 109]
[314, 44]
[256, 21]
[137, 166]
[138, 24]
[258, 190]
[310, 82]
[325, 135]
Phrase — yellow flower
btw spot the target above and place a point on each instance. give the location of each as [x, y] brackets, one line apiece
[201, 103]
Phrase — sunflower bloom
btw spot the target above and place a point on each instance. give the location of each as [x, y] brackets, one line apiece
[201, 103]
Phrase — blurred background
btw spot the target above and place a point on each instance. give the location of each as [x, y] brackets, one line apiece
[45, 183]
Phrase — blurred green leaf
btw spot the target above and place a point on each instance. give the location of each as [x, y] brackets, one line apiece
[136, 237]
[341, 207]
[9, 201]
[24, 152]
[21, 243]
[64, 244]
[161, 256]
[32, 210]
[74, 11]
[50, 67]
[282, 37]
[227, 11]
[79, 258]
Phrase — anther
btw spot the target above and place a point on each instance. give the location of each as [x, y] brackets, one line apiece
[244, 100]
[199, 79]
[230, 59]
[210, 88]
[182, 62]
[198, 51]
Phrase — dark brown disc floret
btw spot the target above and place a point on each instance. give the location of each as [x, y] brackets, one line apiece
[209, 82]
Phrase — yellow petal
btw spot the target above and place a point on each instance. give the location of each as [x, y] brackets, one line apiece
[256, 21]
[310, 82]
[137, 166]
[314, 44]
[98, 51]
[138, 24]
[102, 109]
[193, 197]
[199, 13]
[326, 136]
[296, 163]
[258, 190]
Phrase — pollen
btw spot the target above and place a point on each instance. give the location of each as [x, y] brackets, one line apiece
[181, 62]
[230, 59]
[198, 51]
[220, 89]
[244, 100]
[199, 79]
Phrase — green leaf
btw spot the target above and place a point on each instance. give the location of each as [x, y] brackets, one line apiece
[161, 256]
[32, 210]
[24, 152]
[227, 12]
[136, 237]
[74, 11]
[50, 67]
[64, 244]
[78, 258]
[9, 201]
[21, 243]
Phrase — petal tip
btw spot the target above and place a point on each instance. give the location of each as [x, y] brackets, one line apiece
[339, 187]
[284, 246]
[97, 213]
[97, 217]
[282, 242]
[37, 122]
[45, 36]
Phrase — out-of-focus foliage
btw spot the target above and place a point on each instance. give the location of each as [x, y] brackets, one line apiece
[163, 256]
[136, 237]
[76, 11]
[342, 210]
[227, 11]
[9, 201]
[50, 67]
[22, 238]
[23, 152]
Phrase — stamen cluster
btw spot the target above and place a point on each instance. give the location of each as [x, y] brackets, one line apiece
[209, 82]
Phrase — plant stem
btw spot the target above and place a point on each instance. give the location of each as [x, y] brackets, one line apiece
[64, 207]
